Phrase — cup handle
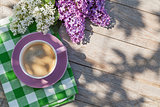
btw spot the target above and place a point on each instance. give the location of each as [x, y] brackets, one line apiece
[61, 49]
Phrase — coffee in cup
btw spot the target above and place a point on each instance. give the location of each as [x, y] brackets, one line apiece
[38, 59]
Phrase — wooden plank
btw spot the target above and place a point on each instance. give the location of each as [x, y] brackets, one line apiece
[132, 26]
[151, 6]
[129, 23]
[127, 64]
[3, 100]
[5, 11]
[108, 51]
[119, 58]
[6, 7]
[103, 89]
[8, 3]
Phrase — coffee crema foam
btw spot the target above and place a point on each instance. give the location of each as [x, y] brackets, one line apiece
[38, 59]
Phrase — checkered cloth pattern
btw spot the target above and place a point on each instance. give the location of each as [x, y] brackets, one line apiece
[21, 95]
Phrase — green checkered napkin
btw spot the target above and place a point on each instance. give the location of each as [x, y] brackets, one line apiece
[17, 93]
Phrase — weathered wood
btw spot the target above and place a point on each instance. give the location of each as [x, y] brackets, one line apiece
[5, 11]
[138, 65]
[151, 6]
[132, 26]
[8, 3]
[6, 7]
[103, 51]
[102, 89]
[119, 67]
[3, 100]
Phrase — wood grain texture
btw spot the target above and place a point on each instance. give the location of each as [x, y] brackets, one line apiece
[117, 67]
[150, 6]
[3, 100]
[6, 7]
[137, 67]
[104, 89]
[102, 52]
[5, 11]
[132, 26]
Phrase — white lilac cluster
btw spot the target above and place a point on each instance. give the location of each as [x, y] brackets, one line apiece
[27, 10]
[44, 17]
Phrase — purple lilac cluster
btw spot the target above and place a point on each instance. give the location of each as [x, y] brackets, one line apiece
[97, 13]
[74, 12]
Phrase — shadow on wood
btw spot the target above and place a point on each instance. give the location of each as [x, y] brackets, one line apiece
[98, 88]
[134, 17]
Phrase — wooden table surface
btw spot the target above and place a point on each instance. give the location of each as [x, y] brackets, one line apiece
[119, 67]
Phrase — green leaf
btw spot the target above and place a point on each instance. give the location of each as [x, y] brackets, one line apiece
[43, 2]
[56, 15]
[55, 28]
[32, 27]
[52, 1]
[47, 1]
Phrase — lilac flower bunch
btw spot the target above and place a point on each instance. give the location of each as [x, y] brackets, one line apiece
[98, 14]
[74, 12]
[28, 11]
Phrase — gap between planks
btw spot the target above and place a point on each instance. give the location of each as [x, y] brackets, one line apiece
[96, 65]
[140, 80]
[87, 91]
[130, 6]
[144, 33]
[74, 56]
[113, 74]
[120, 40]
